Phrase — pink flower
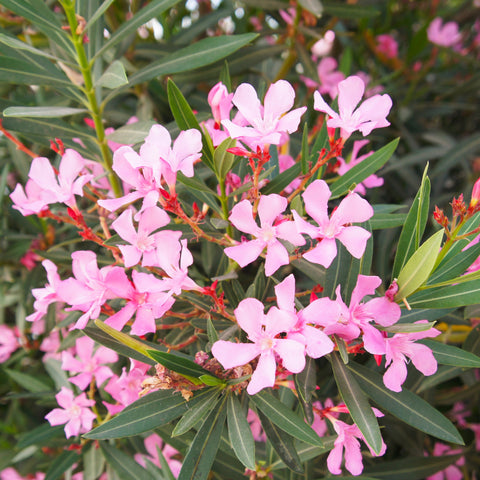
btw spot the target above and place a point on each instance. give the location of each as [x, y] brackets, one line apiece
[142, 244]
[269, 208]
[220, 102]
[263, 331]
[371, 181]
[328, 77]
[349, 322]
[352, 209]
[387, 45]
[31, 201]
[87, 364]
[8, 342]
[348, 440]
[317, 344]
[369, 115]
[270, 123]
[75, 413]
[444, 35]
[146, 298]
[157, 153]
[153, 443]
[323, 46]
[452, 472]
[11, 474]
[403, 345]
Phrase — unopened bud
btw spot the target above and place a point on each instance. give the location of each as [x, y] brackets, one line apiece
[475, 194]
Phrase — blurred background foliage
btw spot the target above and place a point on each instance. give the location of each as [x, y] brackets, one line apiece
[435, 94]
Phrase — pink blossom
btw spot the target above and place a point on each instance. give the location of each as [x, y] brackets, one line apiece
[348, 440]
[89, 290]
[142, 244]
[256, 426]
[328, 77]
[11, 474]
[452, 472]
[75, 413]
[269, 209]
[284, 163]
[157, 153]
[403, 345]
[369, 115]
[47, 295]
[89, 365]
[154, 444]
[270, 123]
[324, 45]
[8, 342]
[125, 389]
[31, 201]
[262, 331]
[317, 344]
[352, 209]
[371, 181]
[349, 322]
[220, 102]
[387, 45]
[146, 298]
[445, 35]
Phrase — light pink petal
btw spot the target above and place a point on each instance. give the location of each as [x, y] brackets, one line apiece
[250, 316]
[354, 239]
[277, 256]
[352, 209]
[152, 219]
[316, 200]
[119, 283]
[292, 354]
[322, 311]
[42, 173]
[278, 100]
[373, 340]
[334, 459]
[123, 225]
[395, 375]
[232, 355]
[246, 252]
[372, 113]
[187, 149]
[112, 204]
[242, 217]
[131, 255]
[70, 166]
[279, 321]
[285, 293]
[350, 92]
[57, 416]
[323, 253]
[82, 380]
[366, 285]
[423, 359]
[321, 105]
[269, 208]
[247, 102]
[318, 343]
[288, 231]
[119, 319]
[144, 322]
[72, 428]
[303, 226]
[264, 374]
[353, 456]
[385, 312]
[290, 121]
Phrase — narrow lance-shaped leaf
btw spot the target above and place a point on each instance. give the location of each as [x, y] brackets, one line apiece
[43, 112]
[405, 405]
[357, 404]
[113, 77]
[451, 355]
[418, 268]
[61, 464]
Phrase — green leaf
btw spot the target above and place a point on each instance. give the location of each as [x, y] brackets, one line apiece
[381, 221]
[305, 384]
[32, 384]
[413, 468]
[239, 432]
[131, 133]
[282, 443]
[198, 54]
[451, 355]
[181, 365]
[313, 6]
[124, 465]
[357, 404]
[43, 112]
[93, 463]
[98, 13]
[414, 226]
[186, 119]
[283, 417]
[364, 169]
[41, 435]
[113, 77]
[443, 373]
[418, 268]
[16, 71]
[13, 42]
[153, 9]
[285, 178]
[201, 454]
[196, 413]
[408, 327]
[147, 413]
[61, 464]
[336, 9]
[304, 154]
[405, 405]
[447, 297]
[224, 160]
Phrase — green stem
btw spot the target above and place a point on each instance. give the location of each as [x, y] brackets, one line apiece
[448, 244]
[89, 90]
[224, 203]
